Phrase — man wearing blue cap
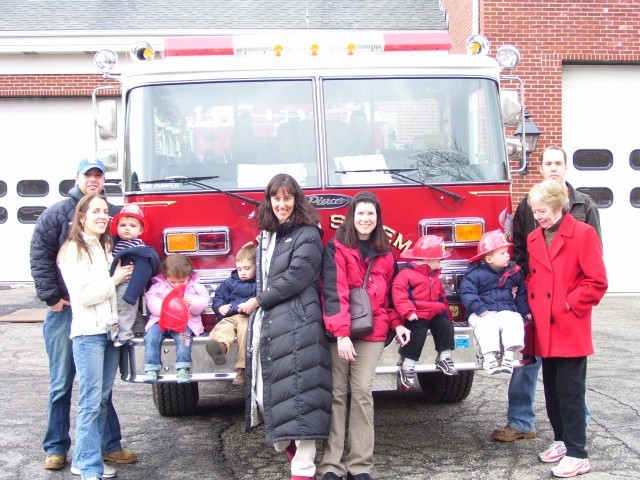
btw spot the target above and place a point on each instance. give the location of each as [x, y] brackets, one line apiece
[51, 231]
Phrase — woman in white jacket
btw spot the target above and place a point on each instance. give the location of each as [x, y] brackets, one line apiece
[84, 261]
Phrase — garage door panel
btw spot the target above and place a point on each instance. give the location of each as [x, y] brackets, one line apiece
[42, 139]
[600, 105]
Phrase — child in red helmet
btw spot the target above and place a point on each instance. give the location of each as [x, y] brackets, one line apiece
[129, 249]
[176, 271]
[419, 298]
[495, 296]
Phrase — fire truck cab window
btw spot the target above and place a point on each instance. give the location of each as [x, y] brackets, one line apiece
[242, 132]
[434, 130]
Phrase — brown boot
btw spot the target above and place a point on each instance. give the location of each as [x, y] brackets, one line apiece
[55, 461]
[239, 380]
[510, 434]
[217, 351]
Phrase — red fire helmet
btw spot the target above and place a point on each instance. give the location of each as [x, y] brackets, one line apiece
[428, 247]
[489, 242]
[129, 210]
[175, 313]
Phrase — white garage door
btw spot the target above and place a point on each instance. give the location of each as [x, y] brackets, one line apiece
[601, 133]
[42, 141]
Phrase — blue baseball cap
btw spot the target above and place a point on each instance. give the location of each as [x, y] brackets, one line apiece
[87, 164]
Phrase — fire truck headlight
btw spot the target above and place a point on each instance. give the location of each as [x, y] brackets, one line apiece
[443, 231]
[478, 45]
[142, 51]
[197, 240]
[105, 60]
[508, 57]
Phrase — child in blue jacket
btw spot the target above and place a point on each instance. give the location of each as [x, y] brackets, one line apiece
[495, 296]
[237, 289]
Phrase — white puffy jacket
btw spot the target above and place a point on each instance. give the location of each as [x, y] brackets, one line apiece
[91, 289]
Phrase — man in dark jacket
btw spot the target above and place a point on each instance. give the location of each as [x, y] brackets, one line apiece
[51, 230]
[521, 420]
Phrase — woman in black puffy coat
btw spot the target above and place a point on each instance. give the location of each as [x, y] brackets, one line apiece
[288, 373]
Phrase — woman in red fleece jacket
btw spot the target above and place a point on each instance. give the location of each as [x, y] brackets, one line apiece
[359, 241]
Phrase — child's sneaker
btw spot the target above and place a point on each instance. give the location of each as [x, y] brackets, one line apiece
[492, 366]
[239, 380]
[407, 379]
[184, 375]
[151, 376]
[571, 467]
[507, 365]
[119, 343]
[555, 452]
[446, 365]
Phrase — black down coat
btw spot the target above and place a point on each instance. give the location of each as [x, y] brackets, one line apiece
[294, 350]
[51, 230]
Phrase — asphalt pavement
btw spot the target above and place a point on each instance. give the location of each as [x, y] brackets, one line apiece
[414, 440]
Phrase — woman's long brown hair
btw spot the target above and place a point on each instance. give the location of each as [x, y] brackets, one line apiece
[77, 227]
[349, 234]
[303, 212]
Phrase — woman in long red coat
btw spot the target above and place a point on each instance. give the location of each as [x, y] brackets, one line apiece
[567, 278]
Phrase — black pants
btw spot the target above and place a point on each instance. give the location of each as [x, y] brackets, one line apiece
[564, 382]
[441, 329]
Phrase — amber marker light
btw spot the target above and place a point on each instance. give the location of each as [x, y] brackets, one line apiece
[351, 48]
[181, 242]
[468, 232]
[278, 50]
[314, 49]
[477, 45]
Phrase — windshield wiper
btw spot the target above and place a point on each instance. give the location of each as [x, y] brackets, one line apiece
[396, 172]
[197, 181]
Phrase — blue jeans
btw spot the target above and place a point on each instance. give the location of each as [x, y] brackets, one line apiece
[96, 360]
[522, 395]
[152, 346]
[56, 331]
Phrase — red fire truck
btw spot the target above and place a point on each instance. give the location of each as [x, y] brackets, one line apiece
[205, 124]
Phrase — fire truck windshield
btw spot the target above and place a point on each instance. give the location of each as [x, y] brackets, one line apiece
[438, 130]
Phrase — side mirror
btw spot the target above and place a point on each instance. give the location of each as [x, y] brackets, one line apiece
[510, 107]
[106, 120]
[110, 159]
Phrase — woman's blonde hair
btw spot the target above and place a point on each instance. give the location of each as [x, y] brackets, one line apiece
[550, 192]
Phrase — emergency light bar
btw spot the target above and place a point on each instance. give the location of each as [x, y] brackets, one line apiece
[314, 44]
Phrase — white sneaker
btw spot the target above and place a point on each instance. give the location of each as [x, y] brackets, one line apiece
[507, 365]
[491, 365]
[555, 452]
[570, 467]
[107, 472]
